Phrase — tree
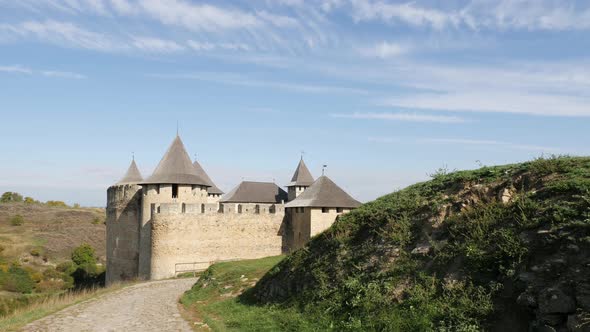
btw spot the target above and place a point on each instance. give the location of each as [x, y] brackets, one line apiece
[30, 200]
[84, 255]
[9, 197]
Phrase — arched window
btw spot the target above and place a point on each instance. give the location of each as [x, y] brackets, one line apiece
[183, 208]
[239, 208]
[272, 209]
[257, 209]
[202, 208]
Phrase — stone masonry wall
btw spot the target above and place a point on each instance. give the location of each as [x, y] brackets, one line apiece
[123, 215]
[186, 238]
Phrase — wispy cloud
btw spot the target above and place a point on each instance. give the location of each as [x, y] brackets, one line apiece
[465, 142]
[410, 117]
[156, 45]
[63, 74]
[18, 69]
[62, 33]
[207, 46]
[236, 79]
[475, 15]
[385, 50]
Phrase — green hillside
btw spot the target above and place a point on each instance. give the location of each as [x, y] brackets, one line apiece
[498, 248]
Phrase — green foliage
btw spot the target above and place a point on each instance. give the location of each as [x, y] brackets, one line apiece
[96, 221]
[35, 252]
[30, 200]
[84, 255]
[11, 197]
[59, 204]
[17, 220]
[16, 279]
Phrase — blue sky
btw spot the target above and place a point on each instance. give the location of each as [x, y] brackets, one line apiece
[383, 92]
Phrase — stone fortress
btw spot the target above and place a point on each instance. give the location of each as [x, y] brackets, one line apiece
[177, 220]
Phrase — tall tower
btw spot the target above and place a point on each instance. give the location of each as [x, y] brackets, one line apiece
[123, 219]
[174, 182]
[301, 179]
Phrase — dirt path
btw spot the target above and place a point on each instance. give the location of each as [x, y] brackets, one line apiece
[150, 306]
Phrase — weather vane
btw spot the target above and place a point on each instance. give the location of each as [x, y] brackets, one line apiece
[324, 169]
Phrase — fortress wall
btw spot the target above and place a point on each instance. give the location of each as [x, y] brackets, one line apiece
[190, 238]
[122, 222]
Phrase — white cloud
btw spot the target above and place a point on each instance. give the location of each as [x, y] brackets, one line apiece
[463, 141]
[156, 45]
[495, 101]
[409, 13]
[16, 69]
[63, 33]
[385, 50]
[277, 20]
[236, 79]
[62, 74]
[198, 17]
[503, 15]
[207, 46]
[410, 117]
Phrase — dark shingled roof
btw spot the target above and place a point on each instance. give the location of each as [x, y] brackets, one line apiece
[255, 192]
[302, 176]
[132, 176]
[213, 189]
[324, 193]
[176, 167]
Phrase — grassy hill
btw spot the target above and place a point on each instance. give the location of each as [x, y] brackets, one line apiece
[52, 231]
[498, 248]
[36, 244]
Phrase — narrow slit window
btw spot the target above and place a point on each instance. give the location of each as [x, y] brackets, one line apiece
[174, 191]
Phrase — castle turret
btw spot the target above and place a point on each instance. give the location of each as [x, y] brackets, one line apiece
[316, 210]
[123, 220]
[173, 185]
[213, 191]
[300, 181]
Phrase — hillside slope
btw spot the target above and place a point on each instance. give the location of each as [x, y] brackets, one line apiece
[498, 248]
[52, 231]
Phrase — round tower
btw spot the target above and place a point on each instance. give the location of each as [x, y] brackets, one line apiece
[173, 187]
[122, 223]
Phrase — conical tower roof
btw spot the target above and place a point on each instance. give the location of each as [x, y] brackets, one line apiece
[132, 176]
[324, 193]
[176, 167]
[255, 192]
[213, 189]
[302, 176]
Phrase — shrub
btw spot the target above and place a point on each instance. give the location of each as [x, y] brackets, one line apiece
[9, 197]
[66, 267]
[1, 248]
[30, 200]
[76, 206]
[56, 204]
[84, 255]
[35, 252]
[17, 220]
[17, 279]
[96, 221]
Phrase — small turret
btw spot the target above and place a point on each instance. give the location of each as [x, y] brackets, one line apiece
[133, 176]
[300, 181]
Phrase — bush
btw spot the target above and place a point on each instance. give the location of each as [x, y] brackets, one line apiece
[16, 279]
[76, 206]
[30, 200]
[35, 252]
[9, 197]
[84, 255]
[17, 220]
[96, 221]
[56, 204]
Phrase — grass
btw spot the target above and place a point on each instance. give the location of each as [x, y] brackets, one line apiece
[24, 315]
[217, 301]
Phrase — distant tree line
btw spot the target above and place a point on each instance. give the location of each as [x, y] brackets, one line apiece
[14, 197]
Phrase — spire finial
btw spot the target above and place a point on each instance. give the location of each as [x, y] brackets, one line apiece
[132, 155]
[324, 169]
[176, 127]
[195, 156]
[302, 153]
